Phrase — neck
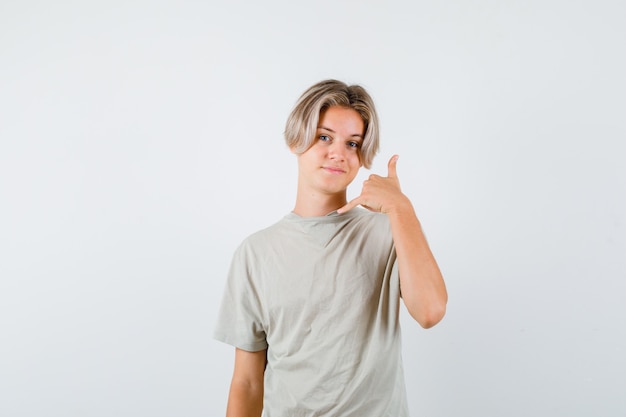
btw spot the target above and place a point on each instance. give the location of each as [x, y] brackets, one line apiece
[314, 205]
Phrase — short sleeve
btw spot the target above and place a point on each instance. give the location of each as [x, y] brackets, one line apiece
[240, 321]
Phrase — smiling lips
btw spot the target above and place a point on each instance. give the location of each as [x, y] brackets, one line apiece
[334, 170]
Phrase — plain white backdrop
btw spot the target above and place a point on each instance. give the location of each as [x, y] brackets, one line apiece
[141, 141]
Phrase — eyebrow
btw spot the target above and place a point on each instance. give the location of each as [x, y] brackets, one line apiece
[332, 131]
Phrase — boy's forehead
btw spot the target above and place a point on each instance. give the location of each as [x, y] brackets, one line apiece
[333, 118]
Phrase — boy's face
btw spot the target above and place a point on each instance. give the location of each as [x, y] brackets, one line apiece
[333, 160]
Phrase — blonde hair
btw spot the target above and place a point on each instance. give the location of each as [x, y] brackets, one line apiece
[300, 131]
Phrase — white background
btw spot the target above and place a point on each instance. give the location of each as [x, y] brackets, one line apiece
[141, 141]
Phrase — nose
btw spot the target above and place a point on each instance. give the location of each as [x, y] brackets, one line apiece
[337, 151]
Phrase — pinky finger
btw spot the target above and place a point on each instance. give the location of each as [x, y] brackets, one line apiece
[351, 204]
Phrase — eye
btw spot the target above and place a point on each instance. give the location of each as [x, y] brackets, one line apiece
[324, 138]
[353, 144]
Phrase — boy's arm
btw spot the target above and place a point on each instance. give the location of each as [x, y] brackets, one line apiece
[423, 289]
[246, 389]
[421, 283]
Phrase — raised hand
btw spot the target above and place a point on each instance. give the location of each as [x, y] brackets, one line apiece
[381, 194]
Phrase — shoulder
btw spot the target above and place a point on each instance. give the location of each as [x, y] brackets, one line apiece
[370, 228]
[363, 218]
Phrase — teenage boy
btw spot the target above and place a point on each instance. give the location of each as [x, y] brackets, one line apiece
[312, 302]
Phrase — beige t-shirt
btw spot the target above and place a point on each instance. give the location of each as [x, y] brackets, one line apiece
[321, 294]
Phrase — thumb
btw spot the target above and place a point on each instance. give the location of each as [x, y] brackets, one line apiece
[391, 167]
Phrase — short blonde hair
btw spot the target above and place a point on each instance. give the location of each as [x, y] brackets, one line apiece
[300, 131]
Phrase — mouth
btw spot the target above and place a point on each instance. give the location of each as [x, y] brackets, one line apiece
[334, 170]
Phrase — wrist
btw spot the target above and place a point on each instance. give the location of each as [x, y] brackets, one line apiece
[401, 207]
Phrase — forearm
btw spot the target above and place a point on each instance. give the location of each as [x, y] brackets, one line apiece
[245, 399]
[421, 283]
